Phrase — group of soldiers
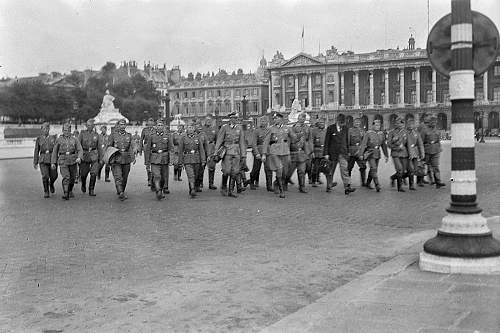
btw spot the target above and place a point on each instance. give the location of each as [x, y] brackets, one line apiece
[280, 148]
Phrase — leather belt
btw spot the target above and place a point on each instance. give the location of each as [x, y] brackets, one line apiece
[376, 147]
[47, 152]
[190, 152]
[91, 149]
[159, 151]
[412, 145]
[123, 150]
[66, 153]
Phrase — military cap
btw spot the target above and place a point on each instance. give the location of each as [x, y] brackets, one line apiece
[121, 121]
[159, 122]
[233, 115]
[341, 118]
[151, 120]
[45, 125]
[90, 121]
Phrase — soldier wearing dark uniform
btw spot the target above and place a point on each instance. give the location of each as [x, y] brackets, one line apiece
[159, 146]
[198, 184]
[231, 137]
[192, 156]
[175, 161]
[415, 151]
[248, 133]
[258, 137]
[76, 134]
[397, 141]
[137, 143]
[354, 138]
[145, 134]
[373, 140]
[120, 161]
[210, 132]
[432, 147]
[424, 169]
[92, 156]
[44, 145]
[276, 152]
[318, 141]
[104, 137]
[300, 150]
[67, 153]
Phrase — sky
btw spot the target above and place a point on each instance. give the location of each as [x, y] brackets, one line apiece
[204, 35]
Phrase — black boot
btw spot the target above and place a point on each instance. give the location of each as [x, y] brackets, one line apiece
[179, 172]
[106, 174]
[368, 182]
[192, 191]
[70, 190]
[411, 182]
[84, 184]
[399, 181]
[150, 178]
[393, 179]
[420, 181]
[223, 185]
[45, 183]
[239, 184]
[211, 174]
[232, 182]
[92, 185]
[438, 182]
[66, 192]
[302, 186]
[377, 185]
[269, 182]
[52, 188]
[279, 183]
[348, 189]
[362, 172]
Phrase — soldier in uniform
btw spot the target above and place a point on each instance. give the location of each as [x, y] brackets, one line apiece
[300, 150]
[177, 166]
[373, 140]
[354, 138]
[318, 141]
[120, 161]
[276, 152]
[76, 134]
[210, 132]
[198, 128]
[337, 151]
[415, 151]
[92, 156]
[397, 141]
[145, 134]
[137, 143]
[192, 156]
[258, 137]
[432, 148]
[104, 137]
[231, 137]
[159, 146]
[44, 145]
[67, 153]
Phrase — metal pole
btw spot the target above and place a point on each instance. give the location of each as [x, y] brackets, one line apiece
[464, 243]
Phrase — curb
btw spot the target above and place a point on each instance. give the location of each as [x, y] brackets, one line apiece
[15, 158]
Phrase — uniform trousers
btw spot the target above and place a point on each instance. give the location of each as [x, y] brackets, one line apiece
[255, 173]
[315, 168]
[356, 160]
[86, 167]
[192, 171]
[231, 165]
[412, 166]
[160, 176]
[106, 167]
[280, 164]
[48, 174]
[120, 174]
[69, 174]
[432, 161]
[401, 165]
[341, 160]
[373, 173]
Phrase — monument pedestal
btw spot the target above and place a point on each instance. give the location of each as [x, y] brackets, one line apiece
[108, 117]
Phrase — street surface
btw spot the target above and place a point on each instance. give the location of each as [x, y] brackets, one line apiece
[210, 264]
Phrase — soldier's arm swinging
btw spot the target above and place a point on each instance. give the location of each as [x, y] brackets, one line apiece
[55, 152]
[36, 153]
[180, 149]
[79, 151]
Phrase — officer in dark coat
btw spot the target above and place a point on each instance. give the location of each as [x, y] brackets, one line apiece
[337, 151]
[44, 145]
[159, 146]
[258, 137]
[92, 156]
[120, 161]
[67, 153]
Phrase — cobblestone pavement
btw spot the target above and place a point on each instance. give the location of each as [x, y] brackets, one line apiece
[209, 264]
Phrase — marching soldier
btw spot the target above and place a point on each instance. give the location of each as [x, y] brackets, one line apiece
[67, 153]
[318, 141]
[432, 148]
[354, 138]
[373, 140]
[231, 137]
[137, 143]
[159, 146]
[92, 156]
[258, 137]
[300, 151]
[397, 141]
[337, 151]
[104, 137]
[276, 152]
[192, 156]
[76, 134]
[120, 162]
[145, 134]
[198, 184]
[44, 146]
[415, 151]
[210, 132]
[175, 161]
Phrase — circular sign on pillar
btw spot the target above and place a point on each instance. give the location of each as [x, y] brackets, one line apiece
[485, 44]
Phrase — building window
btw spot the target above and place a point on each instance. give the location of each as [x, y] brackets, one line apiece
[414, 76]
[218, 93]
[193, 94]
[497, 70]
[382, 98]
[303, 80]
[413, 97]
[317, 80]
[317, 99]
[185, 94]
[428, 96]
[479, 95]
[496, 94]
[290, 81]
[398, 98]
[237, 93]
[177, 95]
[256, 92]
[245, 92]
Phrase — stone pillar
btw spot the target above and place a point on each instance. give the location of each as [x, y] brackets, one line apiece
[356, 89]
[386, 87]
[342, 99]
[270, 93]
[205, 101]
[232, 100]
[323, 88]
[336, 90]
[434, 90]
[372, 101]
[309, 91]
[485, 87]
[402, 86]
[283, 90]
[296, 86]
[417, 86]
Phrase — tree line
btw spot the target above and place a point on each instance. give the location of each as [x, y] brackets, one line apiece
[35, 101]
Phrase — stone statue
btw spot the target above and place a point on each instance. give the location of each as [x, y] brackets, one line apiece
[296, 111]
[108, 113]
[107, 101]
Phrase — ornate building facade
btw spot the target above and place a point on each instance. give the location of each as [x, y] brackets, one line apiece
[377, 85]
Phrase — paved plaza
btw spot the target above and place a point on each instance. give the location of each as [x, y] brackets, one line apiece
[216, 264]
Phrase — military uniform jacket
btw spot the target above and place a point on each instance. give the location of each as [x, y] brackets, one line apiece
[300, 143]
[210, 133]
[44, 145]
[204, 141]
[277, 141]
[191, 150]
[251, 141]
[371, 144]
[354, 138]
[104, 141]
[318, 141]
[231, 137]
[259, 135]
[415, 144]
[159, 146]
[66, 150]
[91, 145]
[145, 134]
[432, 141]
[398, 141]
[123, 142]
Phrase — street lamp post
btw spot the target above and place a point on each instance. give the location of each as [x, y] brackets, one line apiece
[244, 102]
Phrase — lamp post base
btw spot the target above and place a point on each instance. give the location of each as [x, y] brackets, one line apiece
[451, 265]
